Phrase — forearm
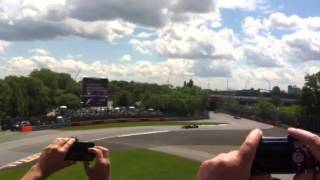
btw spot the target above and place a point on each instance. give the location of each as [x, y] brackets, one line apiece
[34, 173]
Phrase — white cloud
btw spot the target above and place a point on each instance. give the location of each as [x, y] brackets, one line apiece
[39, 52]
[150, 13]
[125, 58]
[299, 42]
[207, 68]
[281, 21]
[108, 30]
[138, 70]
[304, 45]
[3, 46]
[239, 4]
[111, 20]
[263, 77]
[144, 35]
[191, 41]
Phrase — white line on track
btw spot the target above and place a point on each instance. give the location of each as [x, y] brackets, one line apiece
[35, 156]
[128, 135]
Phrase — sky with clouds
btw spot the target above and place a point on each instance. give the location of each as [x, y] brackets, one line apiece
[242, 43]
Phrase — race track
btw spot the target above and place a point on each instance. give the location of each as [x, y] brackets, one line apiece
[198, 144]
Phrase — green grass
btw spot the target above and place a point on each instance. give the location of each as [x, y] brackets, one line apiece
[135, 124]
[130, 165]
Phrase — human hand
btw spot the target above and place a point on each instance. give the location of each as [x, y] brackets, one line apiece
[101, 169]
[312, 141]
[51, 159]
[235, 164]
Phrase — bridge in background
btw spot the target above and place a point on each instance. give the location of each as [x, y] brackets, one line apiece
[214, 100]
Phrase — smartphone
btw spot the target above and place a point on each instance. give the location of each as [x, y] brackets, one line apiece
[281, 155]
[79, 152]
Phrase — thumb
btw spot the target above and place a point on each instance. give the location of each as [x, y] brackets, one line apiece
[249, 147]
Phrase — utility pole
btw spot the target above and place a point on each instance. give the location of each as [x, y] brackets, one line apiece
[269, 84]
[227, 85]
[246, 83]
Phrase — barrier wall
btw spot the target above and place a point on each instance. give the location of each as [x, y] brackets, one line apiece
[26, 129]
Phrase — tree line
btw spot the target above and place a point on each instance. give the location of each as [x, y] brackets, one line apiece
[44, 90]
[307, 107]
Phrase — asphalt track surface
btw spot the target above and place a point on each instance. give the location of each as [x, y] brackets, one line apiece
[198, 144]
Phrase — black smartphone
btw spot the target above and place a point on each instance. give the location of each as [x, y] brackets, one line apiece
[79, 152]
[281, 155]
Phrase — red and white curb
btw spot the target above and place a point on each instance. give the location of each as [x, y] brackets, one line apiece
[22, 161]
[37, 155]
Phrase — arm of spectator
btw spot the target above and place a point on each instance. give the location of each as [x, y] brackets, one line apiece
[101, 169]
[233, 165]
[51, 160]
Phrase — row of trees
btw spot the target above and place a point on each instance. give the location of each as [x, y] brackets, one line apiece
[44, 90]
[37, 94]
[182, 101]
[310, 97]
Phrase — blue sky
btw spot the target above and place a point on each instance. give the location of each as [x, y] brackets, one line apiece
[155, 41]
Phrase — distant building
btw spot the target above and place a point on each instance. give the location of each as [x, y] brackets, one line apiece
[294, 90]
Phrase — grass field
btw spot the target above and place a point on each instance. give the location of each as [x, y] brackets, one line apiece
[135, 124]
[130, 165]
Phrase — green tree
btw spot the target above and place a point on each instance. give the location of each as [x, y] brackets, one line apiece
[50, 80]
[276, 95]
[70, 100]
[37, 97]
[188, 84]
[5, 96]
[310, 96]
[123, 99]
[19, 101]
[266, 110]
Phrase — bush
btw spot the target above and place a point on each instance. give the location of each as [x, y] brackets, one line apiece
[235, 108]
[266, 110]
[290, 114]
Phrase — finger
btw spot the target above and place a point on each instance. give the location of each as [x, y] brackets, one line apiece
[104, 150]
[307, 138]
[97, 152]
[68, 144]
[307, 176]
[261, 177]
[59, 141]
[249, 147]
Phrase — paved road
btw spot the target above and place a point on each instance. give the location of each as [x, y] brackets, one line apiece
[198, 144]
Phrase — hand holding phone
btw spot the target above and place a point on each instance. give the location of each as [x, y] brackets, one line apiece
[79, 151]
[282, 155]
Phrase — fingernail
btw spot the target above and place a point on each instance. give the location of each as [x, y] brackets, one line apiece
[257, 131]
[292, 129]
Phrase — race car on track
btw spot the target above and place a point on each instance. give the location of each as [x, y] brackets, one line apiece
[190, 126]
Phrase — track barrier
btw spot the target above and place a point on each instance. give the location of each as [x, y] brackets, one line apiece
[26, 129]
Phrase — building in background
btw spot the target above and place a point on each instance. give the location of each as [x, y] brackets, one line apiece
[294, 90]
